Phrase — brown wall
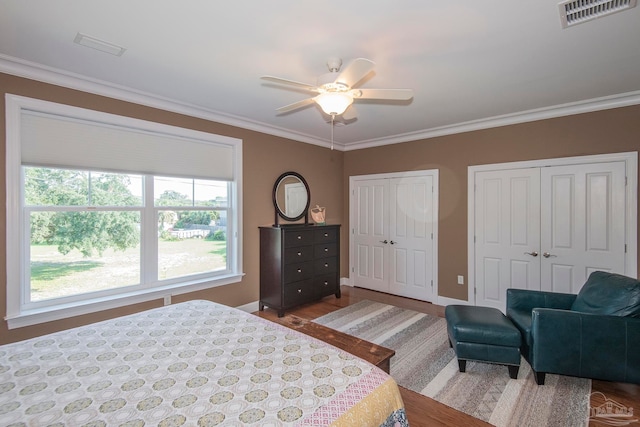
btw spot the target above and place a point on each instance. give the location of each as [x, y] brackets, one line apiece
[327, 172]
[609, 131]
[265, 157]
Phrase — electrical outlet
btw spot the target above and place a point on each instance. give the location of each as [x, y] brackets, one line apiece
[460, 280]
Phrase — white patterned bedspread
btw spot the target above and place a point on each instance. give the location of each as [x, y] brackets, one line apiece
[194, 364]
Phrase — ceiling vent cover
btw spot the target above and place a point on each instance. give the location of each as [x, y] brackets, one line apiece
[573, 12]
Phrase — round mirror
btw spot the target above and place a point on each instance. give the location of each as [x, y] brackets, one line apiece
[291, 197]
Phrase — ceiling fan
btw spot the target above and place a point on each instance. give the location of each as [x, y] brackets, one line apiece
[336, 89]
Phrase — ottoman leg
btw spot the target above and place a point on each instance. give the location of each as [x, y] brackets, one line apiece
[513, 371]
[462, 364]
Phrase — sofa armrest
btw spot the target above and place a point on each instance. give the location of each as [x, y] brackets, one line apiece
[520, 303]
[526, 300]
[586, 345]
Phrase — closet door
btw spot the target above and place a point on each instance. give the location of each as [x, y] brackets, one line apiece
[410, 233]
[394, 233]
[583, 223]
[370, 234]
[507, 234]
[547, 228]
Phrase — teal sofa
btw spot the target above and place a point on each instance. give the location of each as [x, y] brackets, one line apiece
[595, 334]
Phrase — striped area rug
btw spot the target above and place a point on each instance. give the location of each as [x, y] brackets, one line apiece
[424, 363]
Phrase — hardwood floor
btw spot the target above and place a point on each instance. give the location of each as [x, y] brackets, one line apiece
[421, 410]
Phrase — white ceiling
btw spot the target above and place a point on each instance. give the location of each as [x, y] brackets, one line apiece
[471, 64]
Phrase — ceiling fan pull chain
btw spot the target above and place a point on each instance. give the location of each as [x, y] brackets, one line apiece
[333, 116]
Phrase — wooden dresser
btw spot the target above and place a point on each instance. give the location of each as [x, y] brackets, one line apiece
[298, 264]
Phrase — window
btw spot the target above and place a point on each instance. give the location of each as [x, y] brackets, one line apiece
[108, 211]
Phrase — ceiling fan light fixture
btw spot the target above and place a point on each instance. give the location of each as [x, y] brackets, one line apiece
[334, 103]
[335, 90]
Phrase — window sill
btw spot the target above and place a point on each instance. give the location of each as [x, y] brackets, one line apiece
[48, 314]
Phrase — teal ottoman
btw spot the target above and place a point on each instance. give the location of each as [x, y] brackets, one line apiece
[483, 334]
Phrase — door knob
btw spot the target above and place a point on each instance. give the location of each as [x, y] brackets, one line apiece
[548, 255]
[533, 254]
[392, 242]
[384, 241]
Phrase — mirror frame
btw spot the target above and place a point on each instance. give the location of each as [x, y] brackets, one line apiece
[278, 211]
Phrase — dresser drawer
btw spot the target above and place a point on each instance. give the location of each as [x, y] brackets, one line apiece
[325, 285]
[298, 292]
[325, 266]
[325, 250]
[326, 234]
[298, 238]
[298, 254]
[298, 271]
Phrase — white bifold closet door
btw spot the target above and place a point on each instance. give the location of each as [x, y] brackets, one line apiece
[547, 228]
[393, 244]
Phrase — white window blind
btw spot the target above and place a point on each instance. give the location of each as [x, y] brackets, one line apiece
[58, 141]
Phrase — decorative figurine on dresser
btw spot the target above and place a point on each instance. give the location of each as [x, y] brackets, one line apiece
[299, 262]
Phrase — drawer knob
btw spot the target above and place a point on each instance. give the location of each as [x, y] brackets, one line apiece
[326, 249]
[299, 291]
[299, 237]
[299, 270]
[326, 265]
[299, 253]
[326, 234]
[326, 283]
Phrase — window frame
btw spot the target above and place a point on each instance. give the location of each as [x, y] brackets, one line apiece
[17, 233]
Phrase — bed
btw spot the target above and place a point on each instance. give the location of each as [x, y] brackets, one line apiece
[196, 363]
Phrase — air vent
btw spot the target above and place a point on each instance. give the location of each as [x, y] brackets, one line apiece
[573, 12]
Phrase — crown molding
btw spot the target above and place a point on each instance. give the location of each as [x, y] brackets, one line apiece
[45, 74]
[34, 71]
[569, 109]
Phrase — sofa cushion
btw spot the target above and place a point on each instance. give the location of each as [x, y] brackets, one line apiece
[522, 321]
[609, 294]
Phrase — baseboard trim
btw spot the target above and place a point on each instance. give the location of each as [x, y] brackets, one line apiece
[445, 301]
[250, 307]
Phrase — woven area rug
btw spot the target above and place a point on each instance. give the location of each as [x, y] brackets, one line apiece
[426, 364]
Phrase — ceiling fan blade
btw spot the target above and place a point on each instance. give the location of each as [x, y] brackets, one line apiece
[355, 71]
[295, 105]
[288, 82]
[396, 94]
[350, 113]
